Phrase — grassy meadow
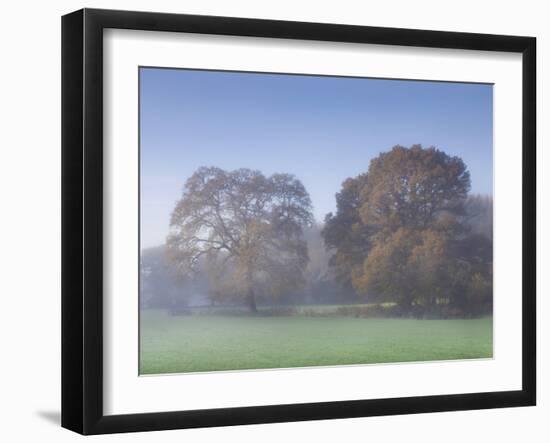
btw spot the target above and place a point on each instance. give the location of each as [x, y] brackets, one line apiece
[211, 342]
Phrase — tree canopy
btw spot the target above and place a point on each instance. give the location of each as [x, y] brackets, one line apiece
[344, 233]
[411, 187]
[401, 233]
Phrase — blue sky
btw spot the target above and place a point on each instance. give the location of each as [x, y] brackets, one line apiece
[322, 129]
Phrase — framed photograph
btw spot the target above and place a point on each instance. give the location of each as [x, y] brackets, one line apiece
[268, 221]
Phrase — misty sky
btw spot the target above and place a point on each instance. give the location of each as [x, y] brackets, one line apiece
[321, 129]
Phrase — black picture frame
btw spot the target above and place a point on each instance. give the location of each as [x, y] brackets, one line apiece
[82, 219]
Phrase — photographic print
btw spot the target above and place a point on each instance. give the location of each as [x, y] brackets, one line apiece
[294, 221]
[298, 216]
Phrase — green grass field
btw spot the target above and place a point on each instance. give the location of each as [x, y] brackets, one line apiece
[171, 344]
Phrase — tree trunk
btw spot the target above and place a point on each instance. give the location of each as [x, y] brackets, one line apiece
[250, 296]
[251, 300]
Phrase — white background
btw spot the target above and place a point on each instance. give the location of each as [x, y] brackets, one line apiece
[30, 231]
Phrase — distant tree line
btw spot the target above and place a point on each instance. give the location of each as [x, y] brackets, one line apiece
[406, 232]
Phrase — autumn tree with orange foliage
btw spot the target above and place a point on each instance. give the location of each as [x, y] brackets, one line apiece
[403, 237]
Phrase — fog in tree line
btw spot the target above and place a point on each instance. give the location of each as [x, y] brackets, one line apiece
[406, 232]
